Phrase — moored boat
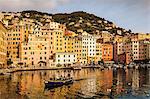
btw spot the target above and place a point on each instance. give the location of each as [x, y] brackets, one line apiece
[76, 68]
[58, 82]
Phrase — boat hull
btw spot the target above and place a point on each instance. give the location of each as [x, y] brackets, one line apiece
[53, 84]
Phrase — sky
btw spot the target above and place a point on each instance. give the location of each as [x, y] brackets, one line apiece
[128, 14]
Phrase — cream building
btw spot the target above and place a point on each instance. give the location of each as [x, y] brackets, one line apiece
[88, 48]
[35, 52]
[65, 58]
[135, 49]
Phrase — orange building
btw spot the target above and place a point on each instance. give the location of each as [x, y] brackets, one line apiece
[107, 52]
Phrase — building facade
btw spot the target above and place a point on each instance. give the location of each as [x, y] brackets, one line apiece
[107, 52]
[3, 46]
[65, 58]
[88, 48]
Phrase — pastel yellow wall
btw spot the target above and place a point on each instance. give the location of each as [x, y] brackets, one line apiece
[3, 46]
[58, 41]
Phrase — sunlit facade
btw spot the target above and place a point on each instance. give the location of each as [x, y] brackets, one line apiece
[107, 52]
[65, 58]
[3, 46]
[35, 52]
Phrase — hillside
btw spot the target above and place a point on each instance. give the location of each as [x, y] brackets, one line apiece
[88, 22]
[77, 21]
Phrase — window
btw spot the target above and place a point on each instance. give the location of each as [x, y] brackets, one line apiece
[40, 57]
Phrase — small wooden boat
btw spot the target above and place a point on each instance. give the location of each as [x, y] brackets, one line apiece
[76, 68]
[58, 82]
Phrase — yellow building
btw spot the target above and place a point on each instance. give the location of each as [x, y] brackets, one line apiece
[58, 41]
[98, 57]
[69, 41]
[106, 36]
[17, 33]
[78, 48]
[142, 36]
[118, 38]
[3, 46]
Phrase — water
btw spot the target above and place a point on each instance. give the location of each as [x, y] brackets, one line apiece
[96, 83]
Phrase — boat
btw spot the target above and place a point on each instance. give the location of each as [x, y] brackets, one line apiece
[76, 68]
[58, 82]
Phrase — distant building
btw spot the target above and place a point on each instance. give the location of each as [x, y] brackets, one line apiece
[128, 51]
[144, 50]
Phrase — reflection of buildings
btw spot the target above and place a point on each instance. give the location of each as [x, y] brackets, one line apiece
[89, 86]
[121, 80]
[135, 80]
[32, 83]
[106, 80]
[148, 76]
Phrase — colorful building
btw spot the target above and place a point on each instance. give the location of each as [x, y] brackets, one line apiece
[17, 33]
[78, 48]
[35, 52]
[88, 48]
[144, 49]
[65, 58]
[3, 46]
[107, 52]
[58, 41]
[98, 57]
[69, 41]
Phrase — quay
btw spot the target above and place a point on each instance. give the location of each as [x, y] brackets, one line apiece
[5, 71]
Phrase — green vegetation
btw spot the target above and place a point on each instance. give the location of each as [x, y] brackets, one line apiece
[82, 20]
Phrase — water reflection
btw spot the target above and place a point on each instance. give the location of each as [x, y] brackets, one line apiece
[118, 82]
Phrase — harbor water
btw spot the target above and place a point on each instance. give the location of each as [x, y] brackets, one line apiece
[89, 83]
